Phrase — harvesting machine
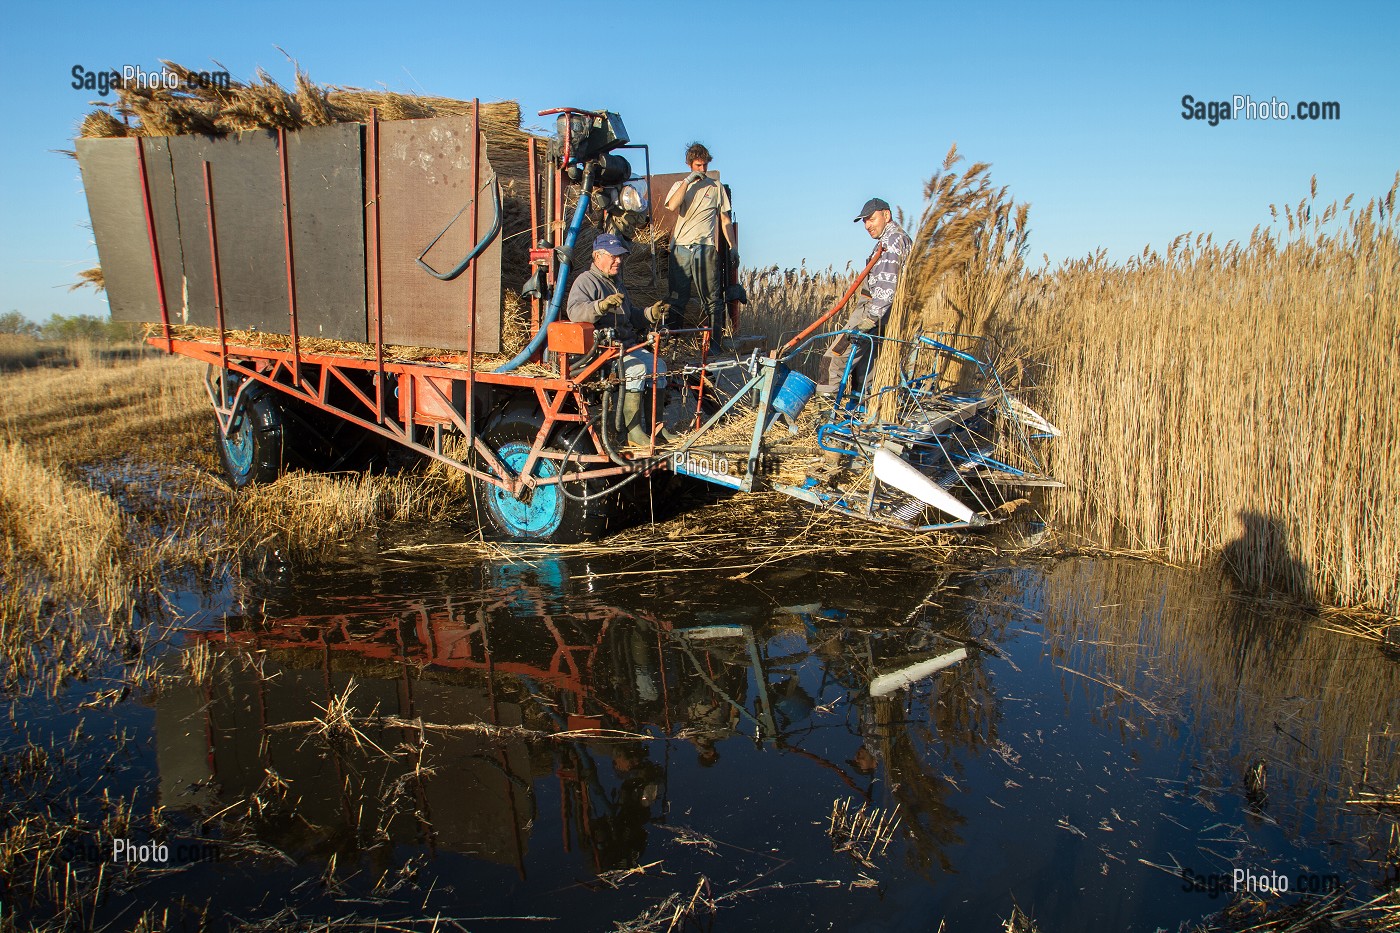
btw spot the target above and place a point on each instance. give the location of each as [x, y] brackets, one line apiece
[347, 288]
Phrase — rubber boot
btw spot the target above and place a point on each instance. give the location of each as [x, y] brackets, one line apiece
[663, 401]
[634, 418]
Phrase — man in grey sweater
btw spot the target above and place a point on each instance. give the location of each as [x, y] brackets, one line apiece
[598, 297]
[870, 315]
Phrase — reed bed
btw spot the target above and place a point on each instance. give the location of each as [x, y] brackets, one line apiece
[1219, 402]
[69, 533]
[1236, 401]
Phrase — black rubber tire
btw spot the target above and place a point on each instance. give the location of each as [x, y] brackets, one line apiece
[547, 515]
[255, 450]
[318, 440]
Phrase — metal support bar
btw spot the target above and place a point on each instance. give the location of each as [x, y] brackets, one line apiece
[376, 272]
[155, 247]
[470, 429]
[214, 263]
[765, 400]
[287, 242]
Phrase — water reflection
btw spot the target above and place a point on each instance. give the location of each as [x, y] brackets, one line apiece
[528, 651]
[1041, 730]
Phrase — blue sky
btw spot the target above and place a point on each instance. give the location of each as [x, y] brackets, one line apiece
[810, 108]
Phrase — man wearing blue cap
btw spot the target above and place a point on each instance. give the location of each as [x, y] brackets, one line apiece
[598, 297]
[870, 314]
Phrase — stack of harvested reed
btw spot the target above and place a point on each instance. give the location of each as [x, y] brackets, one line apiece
[212, 109]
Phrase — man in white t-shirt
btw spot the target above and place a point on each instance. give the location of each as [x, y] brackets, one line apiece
[704, 216]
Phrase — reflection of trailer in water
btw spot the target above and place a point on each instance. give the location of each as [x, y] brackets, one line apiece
[315, 258]
[586, 670]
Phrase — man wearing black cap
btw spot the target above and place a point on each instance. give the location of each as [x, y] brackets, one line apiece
[870, 314]
[598, 297]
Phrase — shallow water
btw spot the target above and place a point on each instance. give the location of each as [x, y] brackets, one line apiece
[1113, 726]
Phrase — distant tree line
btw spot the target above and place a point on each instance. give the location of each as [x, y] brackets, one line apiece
[61, 328]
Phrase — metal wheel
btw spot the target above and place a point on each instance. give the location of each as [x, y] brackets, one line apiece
[543, 513]
[253, 450]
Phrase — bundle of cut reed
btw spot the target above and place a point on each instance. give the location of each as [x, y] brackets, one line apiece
[513, 339]
[966, 257]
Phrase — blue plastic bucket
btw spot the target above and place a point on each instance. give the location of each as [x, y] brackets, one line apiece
[794, 392]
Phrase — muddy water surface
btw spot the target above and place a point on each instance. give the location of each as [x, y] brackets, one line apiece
[1105, 743]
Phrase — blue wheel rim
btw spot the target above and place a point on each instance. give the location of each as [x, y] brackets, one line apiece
[238, 444]
[543, 511]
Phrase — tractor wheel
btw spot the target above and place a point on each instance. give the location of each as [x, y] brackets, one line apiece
[254, 450]
[318, 440]
[544, 514]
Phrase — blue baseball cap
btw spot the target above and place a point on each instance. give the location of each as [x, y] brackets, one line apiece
[611, 244]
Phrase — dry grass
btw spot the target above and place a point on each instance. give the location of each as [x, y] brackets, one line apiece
[108, 486]
[68, 533]
[309, 513]
[18, 351]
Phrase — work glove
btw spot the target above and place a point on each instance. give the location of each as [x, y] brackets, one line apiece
[657, 313]
[867, 324]
[609, 304]
[693, 176]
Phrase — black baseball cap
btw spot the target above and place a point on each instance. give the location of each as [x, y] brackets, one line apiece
[871, 206]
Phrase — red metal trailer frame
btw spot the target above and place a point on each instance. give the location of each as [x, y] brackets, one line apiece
[432, 397]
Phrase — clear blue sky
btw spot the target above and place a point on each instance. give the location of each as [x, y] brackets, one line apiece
[810, 108]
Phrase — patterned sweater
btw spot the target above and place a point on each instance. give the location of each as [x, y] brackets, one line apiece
[884, 278]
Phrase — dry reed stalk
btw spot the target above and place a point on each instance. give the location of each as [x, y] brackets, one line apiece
[782, 302]
[515, 330]
[20, 351]
[966, 258]
[1236, 399]
[310, 512]
[90, 278]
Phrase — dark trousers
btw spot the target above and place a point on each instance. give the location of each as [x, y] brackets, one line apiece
[696, 268]
[861, 350]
